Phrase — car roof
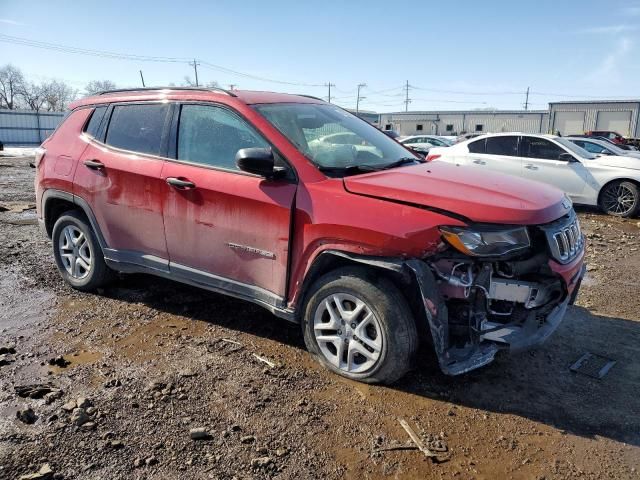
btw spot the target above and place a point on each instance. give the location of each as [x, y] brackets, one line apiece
[509, 134]
[247, 97]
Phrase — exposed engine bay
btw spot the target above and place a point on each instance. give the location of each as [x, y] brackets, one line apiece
[496, 300]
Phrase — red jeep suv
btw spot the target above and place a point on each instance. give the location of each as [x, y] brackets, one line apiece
[297, 205]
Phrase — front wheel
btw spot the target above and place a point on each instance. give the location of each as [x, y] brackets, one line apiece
[621, 198]
[359, 325]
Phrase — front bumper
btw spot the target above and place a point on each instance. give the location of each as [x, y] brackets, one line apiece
[538, 326]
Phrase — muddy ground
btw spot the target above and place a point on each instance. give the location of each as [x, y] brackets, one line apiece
[149, 360]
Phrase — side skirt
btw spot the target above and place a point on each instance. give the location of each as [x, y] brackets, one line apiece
[135, 262]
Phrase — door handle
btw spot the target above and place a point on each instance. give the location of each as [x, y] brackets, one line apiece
[180, 184]
[531, 167]
[94, 164]
[480, 162]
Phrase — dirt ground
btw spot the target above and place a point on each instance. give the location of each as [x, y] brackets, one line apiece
[149, 360]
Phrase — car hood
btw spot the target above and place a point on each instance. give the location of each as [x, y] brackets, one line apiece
[464, 191]
[631, 162]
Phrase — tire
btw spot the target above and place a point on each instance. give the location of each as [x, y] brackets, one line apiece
[620, 198]
[78, 254]
[384, 327]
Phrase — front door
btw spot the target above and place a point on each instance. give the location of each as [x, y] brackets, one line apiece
[542, 162]
[225, 228]
[119, 177]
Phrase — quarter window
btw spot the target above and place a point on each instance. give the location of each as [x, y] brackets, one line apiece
[213, 135]
[503, 145]
[477, 147]
[95, 121]
[137, 127]
[540, 148]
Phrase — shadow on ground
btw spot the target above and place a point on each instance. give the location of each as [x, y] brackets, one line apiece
[537, 385]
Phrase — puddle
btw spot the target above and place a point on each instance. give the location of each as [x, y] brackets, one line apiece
[21, 307]
[83, 357]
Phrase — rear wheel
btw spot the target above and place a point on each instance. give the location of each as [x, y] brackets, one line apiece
[78, 253]
[621, 198]
[359, 325]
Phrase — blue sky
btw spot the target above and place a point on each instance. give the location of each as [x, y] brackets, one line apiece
[471, 55]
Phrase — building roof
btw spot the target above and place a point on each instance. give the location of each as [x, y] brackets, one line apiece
[593, 101]
[468, 112]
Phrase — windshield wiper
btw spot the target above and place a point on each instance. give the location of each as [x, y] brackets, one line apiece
[400, 162]
[349, 169]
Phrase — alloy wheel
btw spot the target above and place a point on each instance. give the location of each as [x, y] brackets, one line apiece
[348, 333]
[75, 252]
[618, 199]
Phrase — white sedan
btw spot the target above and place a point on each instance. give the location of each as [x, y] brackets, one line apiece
[608, 181]
[424, 143]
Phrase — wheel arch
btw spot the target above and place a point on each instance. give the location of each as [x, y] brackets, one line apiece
[393, 268]
[56, 202]
[619, 179]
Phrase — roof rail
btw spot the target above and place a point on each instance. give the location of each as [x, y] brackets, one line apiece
[147, 89]
[311, 96]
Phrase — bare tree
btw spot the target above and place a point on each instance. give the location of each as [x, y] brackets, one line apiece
[187, 82]
[11, 83]
[96, 86]
[58, 95]
[33, 96]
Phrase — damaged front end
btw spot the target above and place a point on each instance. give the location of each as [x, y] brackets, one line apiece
[492, 289]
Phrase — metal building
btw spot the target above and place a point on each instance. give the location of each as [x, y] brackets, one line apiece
[26, 127]
[458, 122]
[622, 116]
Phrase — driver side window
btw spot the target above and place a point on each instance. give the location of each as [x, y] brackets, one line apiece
[212, 136]
[593, 148]
[533, 147]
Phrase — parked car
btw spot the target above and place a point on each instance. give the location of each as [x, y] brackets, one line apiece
[624, 146]
[615, 137]
[610, 182]
[391, 134]
[602, 147]
[467, 136]
[423, 143]
[364, 249]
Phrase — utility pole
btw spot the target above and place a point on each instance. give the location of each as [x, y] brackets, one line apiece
[232, 86]
[142, 78]
[526, 100]
[195, 69]
[407, 100]
[358, 98]
[329, 85]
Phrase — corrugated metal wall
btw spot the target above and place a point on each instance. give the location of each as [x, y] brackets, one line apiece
[436, 122]
[591, 112]
[26, 127]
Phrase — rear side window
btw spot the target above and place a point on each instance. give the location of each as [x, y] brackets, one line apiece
[540, 148]
[502, 146]
[477, 146]
[94, 122]
[212, 136]
[137, 127]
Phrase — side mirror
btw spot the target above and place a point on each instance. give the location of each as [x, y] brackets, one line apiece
[567, 157]
[259, 161]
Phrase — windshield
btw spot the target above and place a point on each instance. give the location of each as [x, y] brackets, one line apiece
[338, 142]
[573, 148]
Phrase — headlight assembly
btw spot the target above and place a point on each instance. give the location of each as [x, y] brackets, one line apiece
[486, 242]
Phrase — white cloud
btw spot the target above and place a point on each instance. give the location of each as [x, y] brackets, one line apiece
[8, 21]
[609, 29]
[608, 72]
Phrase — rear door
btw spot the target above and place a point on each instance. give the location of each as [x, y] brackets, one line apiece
[499, 154]
[225, 228]
[542, 162]
[119, 177]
